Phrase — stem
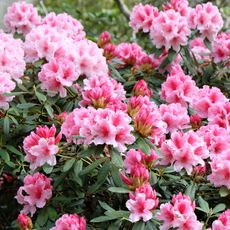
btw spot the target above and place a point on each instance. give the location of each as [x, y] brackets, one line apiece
[123, 8]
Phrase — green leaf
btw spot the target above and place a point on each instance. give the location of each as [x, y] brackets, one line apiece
[103, 173]
[47, 168]
[171, 56]
[219, 208]
[15, 151]
[153, 178]
[49, 110]
[191, 190]
[42, 217]
[6, 125]
[40, 96]
[143, 145]
[105, 206]
[139, 226]
[223, 191]
[102, 219]
[118, 190]
[77, 169]
[4, 155]
[116, 175]
[203, 204]
[115, 225]
[92, 166]
[68, 165]
[25, 105]
[116, 158]
[118, 214]
[52, 213]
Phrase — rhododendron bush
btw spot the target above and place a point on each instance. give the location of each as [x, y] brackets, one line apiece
[98, 135]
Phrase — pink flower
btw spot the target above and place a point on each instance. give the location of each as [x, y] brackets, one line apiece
[221, 48]
[104, 39]
[142, 203]
[56, 75]
[35, 192]
[208, 20]
[41, 146]
[206, 98]
[195, 121]
[170, 30]
[199, 170]
[102, 126]
[179, 215]
[6, 86]
[184, 150]
[66, 25]
[11, 56]
[175, 116]
[24, 222]
[70, 222]
[109, 51]
[21, 17]
[216, 138]
[142, 17]
[129, 53]
[178, 87]
[99, 91]
[141, 89]
[219, 114]
[91, 60]
[220, 166]
[223, 221]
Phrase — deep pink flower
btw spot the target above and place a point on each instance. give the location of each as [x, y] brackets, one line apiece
[41, 146]
[170, 30]
[142, 17]
[109, 51]
[142, 203]
[223, 221]
[184, 150]
[206, 98]
[35, 192]
[141, 89]
[195, 121]
[21, 17]
[104, 39]
[70, 222]
[175, 116]
[24, 222]
[66, 25]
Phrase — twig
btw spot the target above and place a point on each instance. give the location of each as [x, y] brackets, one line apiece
[123, 8]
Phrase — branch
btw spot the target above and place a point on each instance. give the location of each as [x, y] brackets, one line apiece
[123, 8]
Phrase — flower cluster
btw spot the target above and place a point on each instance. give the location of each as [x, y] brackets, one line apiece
[35, 192]
[21, 17]
[72, 221]
[41, 147]
[180, 214]
[223, 221]
[102, 126]
[184, 150]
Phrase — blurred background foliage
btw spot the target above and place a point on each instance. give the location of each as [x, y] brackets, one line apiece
[101, 15]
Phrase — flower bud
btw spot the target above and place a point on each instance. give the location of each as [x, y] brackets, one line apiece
[24, 222]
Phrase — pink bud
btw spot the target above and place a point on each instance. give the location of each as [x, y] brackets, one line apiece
[199, 170]
[104, 38]
[24, 222]
[195, 121]
[141, 89]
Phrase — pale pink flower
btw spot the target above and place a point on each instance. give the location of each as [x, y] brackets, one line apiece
[129, 53]
[170, 30]
[102, 126]
[24, 222]
[99, 91]
[220, 167]
[21, 17]
[221, 48]
[35, 192]
[91, 60]
[6, 86]
[66, 25]
[175, 116]
[179, 215]
[142, 17]
[223, 221]
[11, 56]
[205, 98]
[216, 138]
[184, 150]
[142, 203]
[41, 146]
[70, 222]
[208, 20]
[141, 89]
[56, 75]
[178, 87]
[219, 114]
